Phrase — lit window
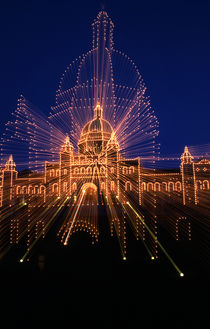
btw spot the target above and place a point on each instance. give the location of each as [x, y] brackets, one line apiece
[103, 186]
[131, 170]
[112, 186]
[128, 186]
[65, 187]
[74, 186]
[52, 172]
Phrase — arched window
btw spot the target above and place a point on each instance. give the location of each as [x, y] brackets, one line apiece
[89, 171]
[124, 170]
[82, 170]
[149, 187]
[18, 190]
[112, 186]
[57, 172]
[170, 186]
[76, 171]
[199, 185]
[102, 186]
[205, 185]
[30, 189]
[131, 170]
[24, 189]
[65, 171]
[178, 186]
[128, 186]
[42, 189]
[95, 171]
[36, 189]
[65, 187]
[165, 188]
[112, 170]
[55, 188]
[102, 170]
[74, 186]
[157, 186]
[144, 186]
[52, 172]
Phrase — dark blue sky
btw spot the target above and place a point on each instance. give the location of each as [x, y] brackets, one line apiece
[168, 41]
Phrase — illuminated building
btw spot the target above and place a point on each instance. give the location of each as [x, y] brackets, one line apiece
[99, 170]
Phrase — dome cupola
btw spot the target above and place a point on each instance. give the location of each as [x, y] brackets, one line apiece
[95, 134]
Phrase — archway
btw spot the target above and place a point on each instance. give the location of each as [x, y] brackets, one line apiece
[90, 185]
[90, 193]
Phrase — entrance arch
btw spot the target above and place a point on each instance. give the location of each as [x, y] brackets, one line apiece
[86, 186]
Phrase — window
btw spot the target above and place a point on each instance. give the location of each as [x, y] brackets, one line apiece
[157, 186]
[42, 189]
[178, 186]
[65, 187]
[112, 186]
[57, 172]
[95, 171]
[36, 189]
[164, 184]
[18, 190]
[52, 172]
[170, 186]
[30, 189]
[82, 170]
[206, 185]
[144, 186]
[149, 187]
[89, 171]
[24, 189]
[76, 171]
[74, 186]
[65, 171]
[131, 170]
[102, 186]
[102, 170]
[55, 188]
[124, 170]
[199, 185]
[112, 170]
[128, 186]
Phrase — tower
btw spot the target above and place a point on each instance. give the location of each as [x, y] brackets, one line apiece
[9, 176]
[112, 154]
[188, 178]
[101, 57]
[66, 156]
[103, 31]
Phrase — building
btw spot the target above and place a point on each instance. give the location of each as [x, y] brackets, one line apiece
[100, 169]
[99, 162]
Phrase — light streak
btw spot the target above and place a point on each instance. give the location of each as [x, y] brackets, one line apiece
[39, 236]
[154, 237]
[74, 218]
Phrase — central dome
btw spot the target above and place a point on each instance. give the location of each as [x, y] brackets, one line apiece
[95, 134]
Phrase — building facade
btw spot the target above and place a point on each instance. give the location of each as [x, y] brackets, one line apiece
[99, 161]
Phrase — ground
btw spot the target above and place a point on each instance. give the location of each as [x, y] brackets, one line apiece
[83, 285]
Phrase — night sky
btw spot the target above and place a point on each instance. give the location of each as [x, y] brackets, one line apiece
[168, 41]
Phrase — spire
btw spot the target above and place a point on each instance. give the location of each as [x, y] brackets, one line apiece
[10, 158]
[67, 146]
[98, 111]
[186, 157]
[103, 31]
[67, 140]
[10, 165]
[112, 141]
